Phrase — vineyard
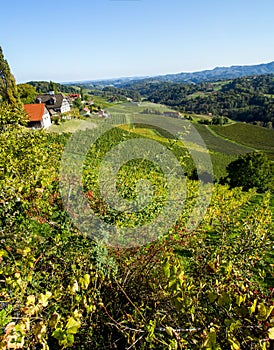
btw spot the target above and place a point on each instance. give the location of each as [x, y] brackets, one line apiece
[249, 135]
[210, 287]
[136, 212]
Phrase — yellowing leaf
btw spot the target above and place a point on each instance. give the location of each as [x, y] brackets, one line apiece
[84, 281]
[271, 333]
[253, 307]
[30, 300]
[166, 269]
[235, 345]
[43, 298]
[169, 331]
[74, 288]
[77, 314]
[3, 253]
[229, 268]
[264, 312]
[240, 299]
[72, 325]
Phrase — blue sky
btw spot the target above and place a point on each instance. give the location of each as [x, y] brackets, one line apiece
[65, 40]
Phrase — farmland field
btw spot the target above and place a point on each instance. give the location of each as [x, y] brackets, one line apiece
[223, 143]
[69, 126]
[221, 151]
[250, 135]
[219, 144]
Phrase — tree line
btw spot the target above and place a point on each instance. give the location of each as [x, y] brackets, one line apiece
[248, 99]
[46, 86]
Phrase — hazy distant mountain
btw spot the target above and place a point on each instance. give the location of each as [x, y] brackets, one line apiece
[218, 73]
[107, 82]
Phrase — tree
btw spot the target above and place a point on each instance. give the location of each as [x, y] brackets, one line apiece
[11, 107]
[77, 103]
[8, 88]
[82, 93]
[53, 87]
[251, 170]
[27, 93]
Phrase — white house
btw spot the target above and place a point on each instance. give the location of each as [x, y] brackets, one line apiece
[39, 116]
[102, 113]
[55, 103]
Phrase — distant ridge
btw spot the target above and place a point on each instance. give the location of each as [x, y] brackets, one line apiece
[106, 82]
[218, 73]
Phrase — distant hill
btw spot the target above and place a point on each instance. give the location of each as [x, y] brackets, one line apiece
[249, 99]
[117, 82]
[218, 73]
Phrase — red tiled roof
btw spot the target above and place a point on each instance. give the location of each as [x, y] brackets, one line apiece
[35, 111]
[74, 95]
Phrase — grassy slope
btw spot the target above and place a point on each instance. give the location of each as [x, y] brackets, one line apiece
[69, 126]
[222, 151]
[219, 144]
[250, 135]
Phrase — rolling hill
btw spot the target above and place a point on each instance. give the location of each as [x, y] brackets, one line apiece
[218, 73]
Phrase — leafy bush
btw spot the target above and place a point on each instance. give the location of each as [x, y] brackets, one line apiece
[206, 289]
[11, 115]
[56, 120]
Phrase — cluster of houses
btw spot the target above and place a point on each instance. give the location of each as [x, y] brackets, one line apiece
[49, 105]
[45, 107]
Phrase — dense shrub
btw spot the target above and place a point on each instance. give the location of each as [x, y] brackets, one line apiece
[210, 288]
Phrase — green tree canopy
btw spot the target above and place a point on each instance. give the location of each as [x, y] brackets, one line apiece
[251, 170]
[11, 107]
[53, 87]
[27, 93]
[8, 88]
[77, 103]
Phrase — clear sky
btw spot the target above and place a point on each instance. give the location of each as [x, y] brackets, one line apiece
[68, 40]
